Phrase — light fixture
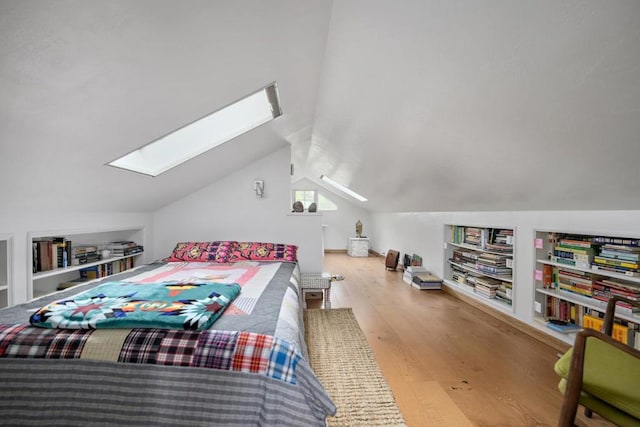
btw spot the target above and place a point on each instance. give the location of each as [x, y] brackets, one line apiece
[258, 187]
[343, 188]
[203, 134]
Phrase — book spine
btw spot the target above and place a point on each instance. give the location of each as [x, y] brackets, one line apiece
[616, 241]
[547, 276]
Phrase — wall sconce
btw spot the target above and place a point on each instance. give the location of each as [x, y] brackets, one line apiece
[258, 187]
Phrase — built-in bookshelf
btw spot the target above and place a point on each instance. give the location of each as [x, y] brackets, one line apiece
[6, 276]
[59, 259]
[576, 274]
[479, 262]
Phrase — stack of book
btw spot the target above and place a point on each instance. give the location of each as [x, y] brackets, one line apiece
[84, 254]
[562, 326]
[500, 241]
[574, 252]
[493, 264]
[576, 281]
[605, 288]
[486, 286]
[459, 276]
[465, 258]
[124, 248]
[618, 258]
[504, 292]
[426, 281]
[474, 236]
[410, 271]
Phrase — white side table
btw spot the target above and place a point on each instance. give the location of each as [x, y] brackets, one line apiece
[315, 282]
[358, 247]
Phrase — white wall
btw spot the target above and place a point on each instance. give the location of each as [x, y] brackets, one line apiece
[53, 220]
[423, 233]
[230, 210]
[339, 225]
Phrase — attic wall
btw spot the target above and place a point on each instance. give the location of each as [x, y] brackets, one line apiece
[338, 225]
[230, 210]
[54, 221]
[423, 233]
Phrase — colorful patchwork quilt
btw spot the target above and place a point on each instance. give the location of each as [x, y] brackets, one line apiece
[190, 305]
[248, 368]
[224, 350]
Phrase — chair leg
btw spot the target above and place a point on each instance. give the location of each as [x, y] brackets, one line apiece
[588, 412]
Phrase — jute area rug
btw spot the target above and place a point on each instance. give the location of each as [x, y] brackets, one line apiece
[344, 363]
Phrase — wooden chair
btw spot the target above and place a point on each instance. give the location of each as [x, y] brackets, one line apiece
[601, 374]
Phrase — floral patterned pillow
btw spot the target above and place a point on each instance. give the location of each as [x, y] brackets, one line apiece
[217, 251]
[263, 251]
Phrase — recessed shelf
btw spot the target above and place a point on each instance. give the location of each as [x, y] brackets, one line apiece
[479, 262]
[59, 271]
[46, 282]
[571, 284]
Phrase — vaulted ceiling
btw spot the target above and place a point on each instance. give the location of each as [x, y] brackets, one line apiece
[419, 105]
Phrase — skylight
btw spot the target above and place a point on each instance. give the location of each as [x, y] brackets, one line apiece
[204, 134]
[343, 188]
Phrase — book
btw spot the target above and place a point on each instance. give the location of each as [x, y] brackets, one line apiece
[44, 255]
[547, 276]
[426, 281]
[422, 286]
[426, 278]
[616, 269]
[131, 250]
[563, 327]
[566, 261]
[617, 240]
[34, 256]
[123, 244]
[575, 243]
[616, 263]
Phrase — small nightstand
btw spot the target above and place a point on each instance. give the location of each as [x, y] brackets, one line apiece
[310, 282]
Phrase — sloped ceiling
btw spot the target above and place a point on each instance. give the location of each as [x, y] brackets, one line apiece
[419, 105]
[84, 82]
[482, 105]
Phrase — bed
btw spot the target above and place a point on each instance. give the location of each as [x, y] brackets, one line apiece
[249, 367]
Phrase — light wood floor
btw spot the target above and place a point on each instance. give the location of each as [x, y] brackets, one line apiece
[433, 347]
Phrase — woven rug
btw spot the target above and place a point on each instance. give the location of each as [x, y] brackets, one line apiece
[345, 364]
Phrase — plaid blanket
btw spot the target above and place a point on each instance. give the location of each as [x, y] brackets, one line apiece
[188, 305]
[224, 350]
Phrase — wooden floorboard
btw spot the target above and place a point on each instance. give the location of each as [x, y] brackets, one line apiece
[430, 343]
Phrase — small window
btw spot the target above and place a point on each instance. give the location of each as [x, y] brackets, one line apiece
[306, 197]
[313, 196]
